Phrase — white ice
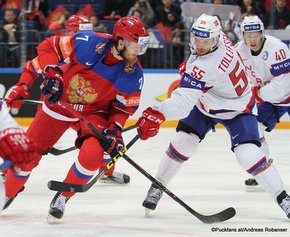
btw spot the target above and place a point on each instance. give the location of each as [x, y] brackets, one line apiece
[209, 182]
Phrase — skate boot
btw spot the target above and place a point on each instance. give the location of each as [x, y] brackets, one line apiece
[154, 194]
[115, 178]
[283, 200]
[57, 207]
[9, 200]
[253, 186]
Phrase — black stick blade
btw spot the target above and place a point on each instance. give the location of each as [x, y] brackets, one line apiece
[64, 187]
[218, 217]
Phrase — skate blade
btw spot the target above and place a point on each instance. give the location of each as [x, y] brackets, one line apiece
[51, 219]
[109, 181]
[147, 212]
[256, 188]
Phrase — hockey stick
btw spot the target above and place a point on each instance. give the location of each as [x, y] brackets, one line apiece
[57, 152]
[68, 187]
[26, 101]
[215, 218]
[53, 150]
[224, 215]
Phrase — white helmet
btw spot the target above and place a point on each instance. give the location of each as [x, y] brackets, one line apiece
[206, 27]
[252, 24]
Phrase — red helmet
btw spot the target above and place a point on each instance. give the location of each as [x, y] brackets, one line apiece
[78, 23]
[131, 28]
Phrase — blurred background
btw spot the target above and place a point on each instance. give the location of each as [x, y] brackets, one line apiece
[24, 24]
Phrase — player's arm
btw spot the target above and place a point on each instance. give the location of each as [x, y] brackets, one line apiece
[178, 106]
[126, 102]
[50, 53]
[278, 89]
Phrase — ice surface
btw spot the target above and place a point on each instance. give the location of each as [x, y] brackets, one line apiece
[209, 182]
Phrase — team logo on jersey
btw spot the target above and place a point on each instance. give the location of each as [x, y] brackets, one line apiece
[191, 82]
[80, 91]
[129, 68]
[100, 47]
[265, 55]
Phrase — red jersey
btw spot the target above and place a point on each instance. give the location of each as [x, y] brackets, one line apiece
[94, 81]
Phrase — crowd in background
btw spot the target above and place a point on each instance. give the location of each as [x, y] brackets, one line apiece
[43, 18]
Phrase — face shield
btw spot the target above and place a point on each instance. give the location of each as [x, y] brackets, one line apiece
[138, 48]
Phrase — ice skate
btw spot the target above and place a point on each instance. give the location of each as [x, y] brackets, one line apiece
[252, 186]
[284, 202]
[9, 200]
[57, 207]
[154, 194]
[115, 178]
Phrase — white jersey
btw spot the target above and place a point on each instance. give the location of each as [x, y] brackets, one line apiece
[216, 83]
[269, 69]
[6, 121]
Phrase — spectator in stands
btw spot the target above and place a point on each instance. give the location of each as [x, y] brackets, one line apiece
[268, 4]
[168, 14]
[147, 14]
[58, 27]
[37, 11]
[115, 9]
[217, 1]
[10, 38]
[281, 15]
[97, 26]
[251, 7]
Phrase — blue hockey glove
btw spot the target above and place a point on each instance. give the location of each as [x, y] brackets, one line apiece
[114, 138]
[52, 86]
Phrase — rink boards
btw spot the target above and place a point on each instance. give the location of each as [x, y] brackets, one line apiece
[158, 85]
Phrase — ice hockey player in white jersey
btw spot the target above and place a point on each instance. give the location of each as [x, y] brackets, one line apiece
[16, 147]
[267, 61]
[214, 89]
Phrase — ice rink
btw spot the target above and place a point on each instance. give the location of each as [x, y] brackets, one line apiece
[209, 182]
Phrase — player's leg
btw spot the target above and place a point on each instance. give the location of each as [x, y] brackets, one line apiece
[246, 145]
[45, 136]
[268, 116]
[89, 160]
[190, 131]
[111, 176]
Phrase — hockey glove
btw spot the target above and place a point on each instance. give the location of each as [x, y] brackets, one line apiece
[114, 138]
[52, 86]
[19, 92]
[15, 146]
[149, 123]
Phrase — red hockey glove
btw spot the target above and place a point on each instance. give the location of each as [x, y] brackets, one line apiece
[114, 138]
[255, 90]
[52, 87]
[18, 92]
[15, 146]
[182, 68]
[149, 123]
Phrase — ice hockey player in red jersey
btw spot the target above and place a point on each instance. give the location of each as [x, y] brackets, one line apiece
[16, 147]
[101, 78]
[75, 23]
